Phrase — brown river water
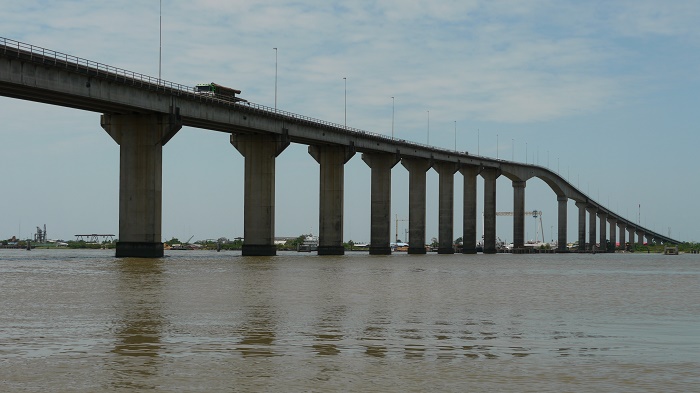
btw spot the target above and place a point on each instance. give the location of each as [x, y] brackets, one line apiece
[84, 321]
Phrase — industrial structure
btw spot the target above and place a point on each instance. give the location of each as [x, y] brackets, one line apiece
[40, 235]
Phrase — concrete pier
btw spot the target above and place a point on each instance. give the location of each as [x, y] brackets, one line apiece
[518, 214]
[446, 196]
[592, 227]
[469, 214]
[603, 221]
[260, 152]
[623, 228]
[630, 232]
[144, 113]
[613, 233]
[380, 231]
[581, 225]
[140, 138]
[562, 202]
[490, 175]
[417, 169]
[640, 237]
[332, 160]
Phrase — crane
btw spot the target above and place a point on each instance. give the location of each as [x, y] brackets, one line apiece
[535, 214]
[397, 229]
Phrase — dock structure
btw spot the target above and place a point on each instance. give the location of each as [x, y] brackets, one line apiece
[93, 238]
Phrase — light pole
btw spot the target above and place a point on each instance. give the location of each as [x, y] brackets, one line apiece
[346, 102]
[455, 135]
[392, 117]
[160, 37]
[275, 79]
[428, 128]
[525, 152]
[512, 149]
[478, 143]
[496, 146]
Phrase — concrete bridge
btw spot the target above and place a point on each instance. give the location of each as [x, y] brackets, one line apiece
[142, 114]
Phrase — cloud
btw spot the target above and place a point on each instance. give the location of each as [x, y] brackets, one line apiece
[498, 65]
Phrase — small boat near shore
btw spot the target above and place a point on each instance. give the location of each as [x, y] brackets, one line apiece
[309, 244]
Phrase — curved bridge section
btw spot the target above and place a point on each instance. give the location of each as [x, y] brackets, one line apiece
[142, 114]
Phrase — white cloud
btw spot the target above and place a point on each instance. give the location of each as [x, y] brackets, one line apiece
[489, 64]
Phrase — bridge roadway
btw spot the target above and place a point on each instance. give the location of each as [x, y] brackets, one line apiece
[142, 114]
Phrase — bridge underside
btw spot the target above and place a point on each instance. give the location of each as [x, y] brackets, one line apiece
[142, 113]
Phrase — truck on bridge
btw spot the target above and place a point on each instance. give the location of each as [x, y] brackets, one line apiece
[218, 91]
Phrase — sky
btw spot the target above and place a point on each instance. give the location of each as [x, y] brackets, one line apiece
[605, 93]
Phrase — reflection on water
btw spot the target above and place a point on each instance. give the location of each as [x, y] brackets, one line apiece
[138, 331]
[140, 289]
[210, 321]
[258, 326]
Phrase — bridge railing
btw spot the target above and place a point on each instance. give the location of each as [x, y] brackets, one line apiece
[47, 56]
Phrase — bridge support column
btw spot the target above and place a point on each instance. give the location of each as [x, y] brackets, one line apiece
[259, 152]
[603, 221]
[332, 161]
[640, 237]
[490, 175]
[613, 233]
[141, 139]
[562, 202]
[623, 229]
[518, 214]
[469, 214]
[581, 225]
[592, 227]
[417, 167]
[446, 172]
[630, 231]
[380, 232]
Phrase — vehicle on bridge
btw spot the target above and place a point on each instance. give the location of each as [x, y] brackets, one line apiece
[218, 91]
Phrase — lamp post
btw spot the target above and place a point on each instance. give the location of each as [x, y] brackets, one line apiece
[455, 135]
[160, 36]
[392, 117]
[275, 79]
[512, 149]
[346, 102]
[428, 128]
[496, 146]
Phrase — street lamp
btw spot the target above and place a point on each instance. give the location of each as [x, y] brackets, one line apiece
[496, 146]
[428, 128]
[346, 102]
[275, 79]
[160, 37]
[455, 135]
[392, 117]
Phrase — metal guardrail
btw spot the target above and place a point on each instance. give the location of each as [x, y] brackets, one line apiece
[39, 54]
